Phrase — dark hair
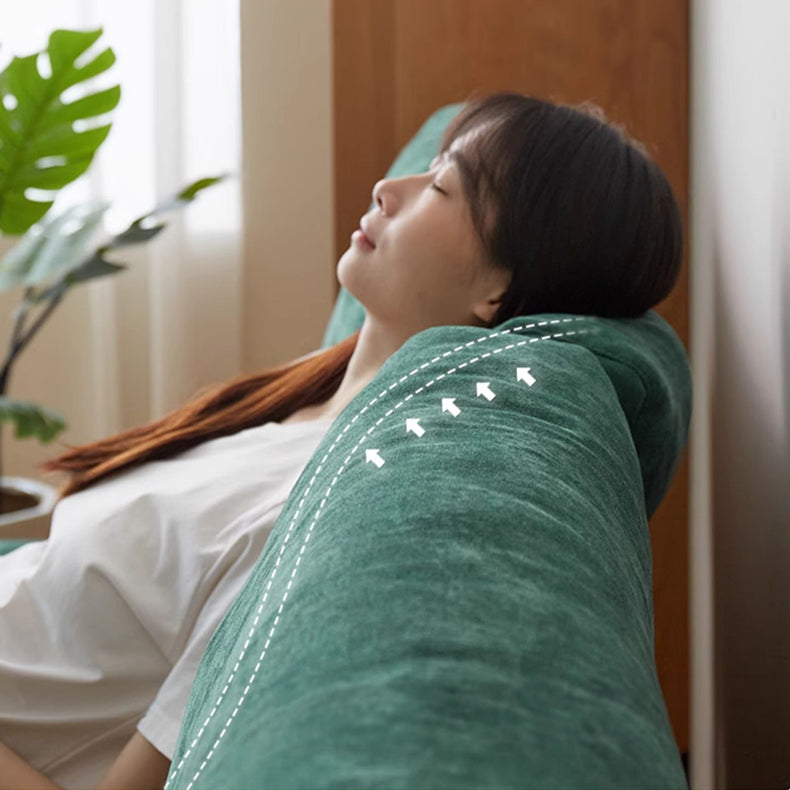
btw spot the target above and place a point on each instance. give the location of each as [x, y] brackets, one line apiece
[577, 211]
[567, 202]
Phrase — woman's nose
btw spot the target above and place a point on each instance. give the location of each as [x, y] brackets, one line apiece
[378, 196]
[388, 191]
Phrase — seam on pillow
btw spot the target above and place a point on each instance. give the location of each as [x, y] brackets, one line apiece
[645, 388]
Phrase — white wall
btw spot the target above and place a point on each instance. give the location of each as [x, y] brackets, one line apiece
[740, 444]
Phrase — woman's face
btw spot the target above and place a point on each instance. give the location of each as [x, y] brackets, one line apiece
[428, 267]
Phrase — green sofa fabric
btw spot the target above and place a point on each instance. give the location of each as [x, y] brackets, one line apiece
[458, 591]
[9, 544]
[348, 315]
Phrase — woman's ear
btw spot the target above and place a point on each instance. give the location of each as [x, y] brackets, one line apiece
[486, 308]
[484, 312]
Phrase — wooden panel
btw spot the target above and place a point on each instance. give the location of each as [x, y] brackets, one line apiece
[397, 61]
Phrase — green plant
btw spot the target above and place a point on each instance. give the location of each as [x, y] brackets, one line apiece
[40, 149]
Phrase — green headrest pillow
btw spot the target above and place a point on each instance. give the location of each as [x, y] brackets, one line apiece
[458, 591]
[655, 392]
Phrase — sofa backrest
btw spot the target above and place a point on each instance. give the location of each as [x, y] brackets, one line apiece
[458, 591]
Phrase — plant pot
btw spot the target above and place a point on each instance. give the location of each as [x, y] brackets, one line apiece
[27, 506]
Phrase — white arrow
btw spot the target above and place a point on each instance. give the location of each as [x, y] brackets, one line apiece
[373, 455]
[413, 424]
[448, 404]
[482, 389]
[522, 374]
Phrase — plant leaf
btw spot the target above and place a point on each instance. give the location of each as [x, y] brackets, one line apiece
[183, 197]
[31, 420]
[94, 266]
[145, 227]
[135, 234]
[189, 192]
[40, 125]
[52, 247]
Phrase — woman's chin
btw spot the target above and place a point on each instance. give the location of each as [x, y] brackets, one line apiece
[344, 271]
[353, 257]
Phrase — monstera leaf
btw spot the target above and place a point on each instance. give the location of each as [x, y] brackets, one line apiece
[38, 146]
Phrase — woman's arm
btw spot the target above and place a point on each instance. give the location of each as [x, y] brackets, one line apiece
[16, 774]
[138, 767]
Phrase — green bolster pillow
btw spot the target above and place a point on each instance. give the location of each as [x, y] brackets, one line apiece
[7, 545]
[458, 591]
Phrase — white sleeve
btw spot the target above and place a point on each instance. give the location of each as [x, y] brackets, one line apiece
[161, 723]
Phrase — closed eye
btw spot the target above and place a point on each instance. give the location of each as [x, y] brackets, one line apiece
[438, 188]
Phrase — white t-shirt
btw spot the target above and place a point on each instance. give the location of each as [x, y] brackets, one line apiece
[103, 625]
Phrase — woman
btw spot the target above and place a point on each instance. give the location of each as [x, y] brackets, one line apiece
[530, 207]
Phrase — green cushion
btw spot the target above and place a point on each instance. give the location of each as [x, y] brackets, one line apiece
[464, 600]
[654, 394]
[7, 545]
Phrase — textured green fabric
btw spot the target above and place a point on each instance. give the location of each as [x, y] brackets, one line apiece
[464, 601]
[9, 544]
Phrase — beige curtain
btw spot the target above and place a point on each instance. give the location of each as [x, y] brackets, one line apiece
[240, 279]
[740, 443]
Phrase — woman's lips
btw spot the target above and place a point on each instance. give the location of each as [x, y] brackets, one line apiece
[359, 238]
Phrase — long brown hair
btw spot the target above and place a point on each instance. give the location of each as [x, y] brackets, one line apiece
[583, 218]
[243, 402]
